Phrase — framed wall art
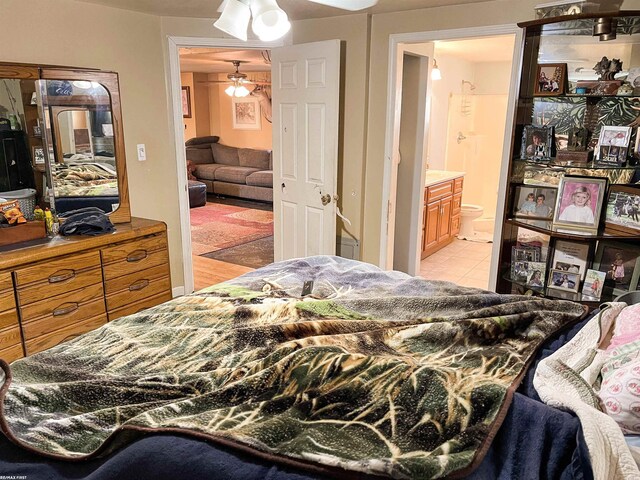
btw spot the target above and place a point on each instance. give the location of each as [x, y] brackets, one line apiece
[246, 113]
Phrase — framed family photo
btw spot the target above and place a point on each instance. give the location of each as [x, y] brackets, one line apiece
[537, 143]
[246, 113]
[622, 212]
[620, 263]
[534, 202]
[570, 257]
[593, 285]
[613, 145]
[562, 280]
[552, 78]
[579, 202]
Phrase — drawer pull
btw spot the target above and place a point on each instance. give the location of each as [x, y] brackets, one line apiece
[139, 285]
[64, 310]
[62, 276]
[137, 256]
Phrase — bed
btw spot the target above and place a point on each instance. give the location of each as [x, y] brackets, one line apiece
[311, 368]
[84, 182]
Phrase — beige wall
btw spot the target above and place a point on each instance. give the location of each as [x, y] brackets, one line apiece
[65, 32]
[222, 104]
[186, 80]
[201, 104]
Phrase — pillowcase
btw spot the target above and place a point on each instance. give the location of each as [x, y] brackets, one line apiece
[225, 155]
[250, 157]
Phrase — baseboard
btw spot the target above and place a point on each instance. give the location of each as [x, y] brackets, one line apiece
[178, 291]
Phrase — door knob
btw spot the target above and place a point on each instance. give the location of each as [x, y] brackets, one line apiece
[325, 199]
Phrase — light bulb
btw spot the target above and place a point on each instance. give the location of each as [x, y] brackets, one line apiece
[230, 90]
[241, 91]
[435, 71]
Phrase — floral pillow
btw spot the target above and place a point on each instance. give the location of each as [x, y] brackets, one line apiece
[620, 388]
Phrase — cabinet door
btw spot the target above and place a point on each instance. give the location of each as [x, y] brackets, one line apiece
[432, 214]
[424, 227]
[444, 222]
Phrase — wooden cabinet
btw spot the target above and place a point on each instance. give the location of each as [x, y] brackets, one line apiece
[441, 222]
[69, 286]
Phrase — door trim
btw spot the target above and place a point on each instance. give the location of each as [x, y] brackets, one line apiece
[393, 87]
[174, 87]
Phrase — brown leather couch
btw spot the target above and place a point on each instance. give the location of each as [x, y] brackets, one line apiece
[238, 172]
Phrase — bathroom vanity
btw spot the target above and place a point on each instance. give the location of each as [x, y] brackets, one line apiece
[442, 205]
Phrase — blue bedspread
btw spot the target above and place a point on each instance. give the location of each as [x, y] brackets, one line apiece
[534, 442]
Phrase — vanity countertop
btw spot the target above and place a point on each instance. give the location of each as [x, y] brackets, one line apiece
[437, 176]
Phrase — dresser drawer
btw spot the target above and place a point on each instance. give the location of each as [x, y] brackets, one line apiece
[140, 262]
[441, 190]
[68, 314]
[457, 203]
[5, 282]
[12, 353]
[125, 282]
[8, 319]
[62, 306]
[64, 282]
[134, 251]
[57, 271]
[7, 300]
[139, 306]
[137, 291]
[67, 333]
[10, 337]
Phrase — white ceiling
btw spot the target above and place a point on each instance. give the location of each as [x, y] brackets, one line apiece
[218, 60]
[477, 50]
[296, 9]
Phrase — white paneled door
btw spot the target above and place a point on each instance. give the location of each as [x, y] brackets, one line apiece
[306, 99]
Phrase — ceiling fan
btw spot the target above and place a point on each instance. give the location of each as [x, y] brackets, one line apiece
[237, 81]
[270, 22]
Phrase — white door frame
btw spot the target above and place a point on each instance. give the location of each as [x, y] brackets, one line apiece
[175, 94]
[393, 97]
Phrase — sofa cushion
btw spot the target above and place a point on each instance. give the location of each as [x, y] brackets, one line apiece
[263, 178]
[234, 174]
[207, 172]
[199, 156]
[250, 157]
[202, 141]
[225, 155]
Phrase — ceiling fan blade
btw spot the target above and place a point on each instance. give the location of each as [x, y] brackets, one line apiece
[347, 4]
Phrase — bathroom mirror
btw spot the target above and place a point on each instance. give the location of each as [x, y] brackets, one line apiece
[83, 141]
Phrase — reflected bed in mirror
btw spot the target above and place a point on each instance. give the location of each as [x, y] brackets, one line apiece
[84, 167]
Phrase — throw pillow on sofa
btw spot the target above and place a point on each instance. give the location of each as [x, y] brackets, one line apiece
[253, 158]
[225, 155]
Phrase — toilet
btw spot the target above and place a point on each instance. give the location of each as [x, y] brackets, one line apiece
[468, 213]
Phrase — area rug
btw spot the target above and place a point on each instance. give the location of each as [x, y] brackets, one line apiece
[254, 254]
[219, 226]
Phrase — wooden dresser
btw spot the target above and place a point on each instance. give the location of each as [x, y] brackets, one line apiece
[67, 286]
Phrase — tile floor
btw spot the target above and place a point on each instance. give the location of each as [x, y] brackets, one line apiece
[462, 262]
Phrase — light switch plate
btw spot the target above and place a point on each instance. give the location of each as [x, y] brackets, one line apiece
[142, 152]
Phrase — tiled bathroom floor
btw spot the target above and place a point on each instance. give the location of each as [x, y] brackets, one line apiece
[463, 262]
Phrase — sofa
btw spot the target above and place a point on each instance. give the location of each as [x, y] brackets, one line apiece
[225, 170]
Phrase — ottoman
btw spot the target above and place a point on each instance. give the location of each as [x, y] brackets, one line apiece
[197, 194]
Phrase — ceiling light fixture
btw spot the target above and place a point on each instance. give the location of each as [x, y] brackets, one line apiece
[435, 71]
[237, 89]
[270, 22]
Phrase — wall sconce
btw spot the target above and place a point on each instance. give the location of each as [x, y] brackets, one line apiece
[435, 71]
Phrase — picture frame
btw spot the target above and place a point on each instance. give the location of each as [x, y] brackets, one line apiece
[38, 156]
[570, 257]
[621, 264]
[534, 202]
[613, 145]
[246, 113]
[552, 78]
[561, 280]
[537, 143]
[530, 274]
[186, 102]
[579, 203]
[622, 210]
[593, 285]
[37, 131]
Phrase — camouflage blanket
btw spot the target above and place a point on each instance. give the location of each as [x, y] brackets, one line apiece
[373, 372]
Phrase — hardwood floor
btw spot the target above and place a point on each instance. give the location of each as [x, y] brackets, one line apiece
[207, 272]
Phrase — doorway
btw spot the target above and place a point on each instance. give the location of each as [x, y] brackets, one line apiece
[468, 131]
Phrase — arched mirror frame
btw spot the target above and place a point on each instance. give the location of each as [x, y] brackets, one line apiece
[110, 81]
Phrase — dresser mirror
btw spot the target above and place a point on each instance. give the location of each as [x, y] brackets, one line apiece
[22, 166]
[81, 145]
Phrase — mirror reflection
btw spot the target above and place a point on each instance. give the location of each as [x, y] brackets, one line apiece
[81, 150]
[22, 165]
